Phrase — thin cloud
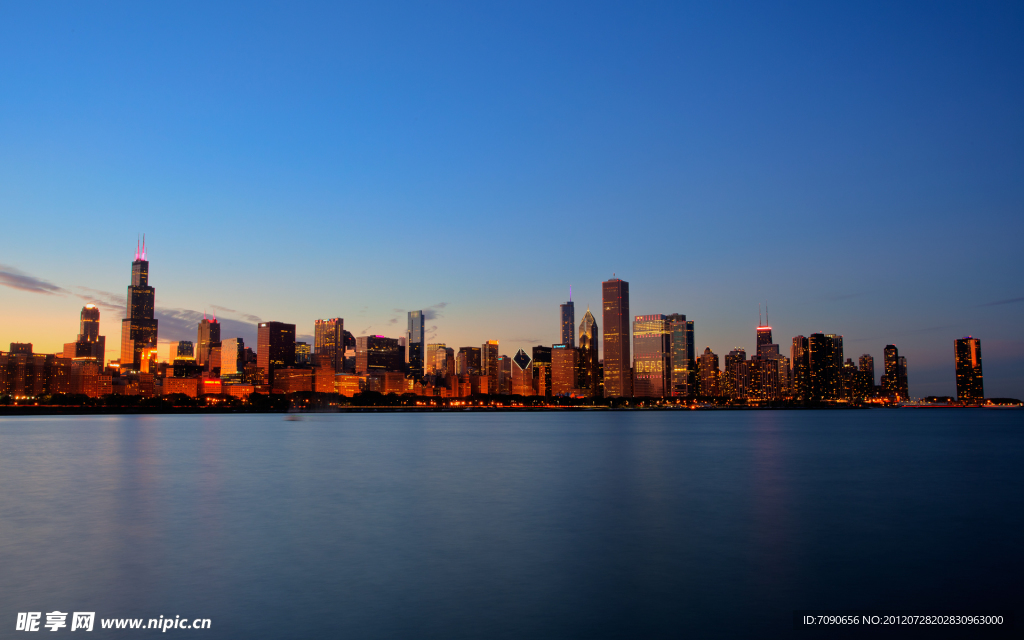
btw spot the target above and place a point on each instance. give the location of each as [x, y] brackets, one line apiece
[183, 324]
[434, 311]
[17, 279]
[103, 299]
[1001, 302]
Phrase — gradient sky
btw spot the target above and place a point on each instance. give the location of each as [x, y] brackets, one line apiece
[858, 166]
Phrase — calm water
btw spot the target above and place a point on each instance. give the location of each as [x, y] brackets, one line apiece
[471, 525]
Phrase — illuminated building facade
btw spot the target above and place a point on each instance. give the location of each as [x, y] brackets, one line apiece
[377, 353]
[800, 359]
[892, 380]
[207, 337]
[139, 329]
[329, 341]
[432, 364]
[414, 335]
[709, 374]
[292, 380]
[468, 362]
[652, 357]
[568, 321]
[970, 384]
[587, 357]
[617, 362]
[489, 363]
[735, 376]
[866, 376]
[183, 363]
[90, 343]
[275, 348]
[563, 369]
[522, 374]
[303, 354]
[504, 375]
[826, 360]
[684, 358]
[232, 358]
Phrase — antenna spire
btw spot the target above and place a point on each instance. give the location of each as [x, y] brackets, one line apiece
[143, 246]
[570, 293]
[136, 247]
[766, 312]
[759, 315]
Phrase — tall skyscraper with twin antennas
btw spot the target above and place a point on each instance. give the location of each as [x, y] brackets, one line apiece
[139, 329]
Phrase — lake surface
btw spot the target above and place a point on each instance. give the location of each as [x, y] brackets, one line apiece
[509, 525]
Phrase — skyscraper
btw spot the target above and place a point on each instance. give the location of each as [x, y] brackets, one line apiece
[652, 357]
[684, 359]
[542, 370]
[90, 343]
[866, 376]
[563, 369]
[432, 362]
[826, 360]
[489, 364]
[232, 359]
[568, 316]
[891, 377]
[275, 348]
[735, 377]
[587, 356]
[522, 374]
[801, 362]
[381, 354]
[414, 344]
[970, 387]
[207, 337]
[617, 361]
[470, 357]
[139, 329]
[709, 374]
[329, 341]
[504, 364]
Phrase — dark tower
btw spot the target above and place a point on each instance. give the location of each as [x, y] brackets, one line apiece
[586, 363]
[139, 329]
[618, 375]
[800, 360]
[275, 348]
[970, 387]
[414, 344]
[568, 314]
[891, 377]
[826, 370]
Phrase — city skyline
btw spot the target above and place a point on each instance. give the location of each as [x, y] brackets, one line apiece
[673, 355]
[830, 161]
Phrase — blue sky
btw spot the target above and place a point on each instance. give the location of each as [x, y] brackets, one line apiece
[858, 166]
